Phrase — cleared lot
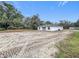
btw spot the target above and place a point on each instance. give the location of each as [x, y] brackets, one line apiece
[30, 44]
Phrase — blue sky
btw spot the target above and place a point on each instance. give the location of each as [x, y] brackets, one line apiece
[53, 11]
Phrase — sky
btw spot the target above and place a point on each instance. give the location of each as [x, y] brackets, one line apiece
[53, 11]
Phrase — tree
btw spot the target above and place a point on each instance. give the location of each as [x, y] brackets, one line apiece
[77, 23]
[42, 22]
[32, 22]
[8, 16]
[27, 22]
[35, 21]
[65, 24]
[48, 23]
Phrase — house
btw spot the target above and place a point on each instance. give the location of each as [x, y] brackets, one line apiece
[50, 28]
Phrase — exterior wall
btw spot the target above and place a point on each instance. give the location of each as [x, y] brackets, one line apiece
[55, 28]
[51, 28]
[40, 28]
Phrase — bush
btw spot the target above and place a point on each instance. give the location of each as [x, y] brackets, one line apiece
[1, 29]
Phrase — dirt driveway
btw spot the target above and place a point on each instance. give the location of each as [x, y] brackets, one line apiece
[30, 44]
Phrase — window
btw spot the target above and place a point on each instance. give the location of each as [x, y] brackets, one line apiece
[48, 28]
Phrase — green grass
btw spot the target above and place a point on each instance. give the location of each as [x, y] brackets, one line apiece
[2, 29]
[69, 48]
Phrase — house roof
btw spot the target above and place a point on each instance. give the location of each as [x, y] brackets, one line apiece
[50, 26]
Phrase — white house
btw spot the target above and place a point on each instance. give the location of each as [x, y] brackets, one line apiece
[50, 28]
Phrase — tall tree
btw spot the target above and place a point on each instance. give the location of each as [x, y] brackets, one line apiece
[35, 21]
[48, 23]
[8, 15]
[27, 22]
[77, 23]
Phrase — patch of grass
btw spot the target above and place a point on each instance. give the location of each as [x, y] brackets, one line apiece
[69, 48]
[1, 29]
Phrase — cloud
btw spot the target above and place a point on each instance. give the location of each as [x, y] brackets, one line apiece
[64, 3]
[61, 4]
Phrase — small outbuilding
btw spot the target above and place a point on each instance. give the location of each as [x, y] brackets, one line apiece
[50, 28]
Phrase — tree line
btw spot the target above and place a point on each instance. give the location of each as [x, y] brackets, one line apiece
[11, 18]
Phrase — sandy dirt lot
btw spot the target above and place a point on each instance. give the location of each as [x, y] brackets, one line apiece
[30, 44]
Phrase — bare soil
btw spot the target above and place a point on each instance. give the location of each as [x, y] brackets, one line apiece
[30, 44]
